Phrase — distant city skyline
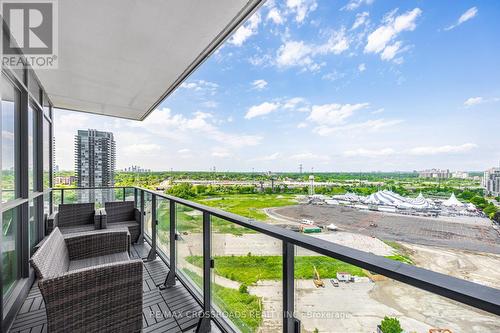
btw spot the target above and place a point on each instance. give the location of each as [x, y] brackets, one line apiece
[334, 87]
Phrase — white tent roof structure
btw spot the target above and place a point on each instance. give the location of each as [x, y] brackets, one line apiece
[388, 198]
[452, 202]
[471, 206]
[121, 58]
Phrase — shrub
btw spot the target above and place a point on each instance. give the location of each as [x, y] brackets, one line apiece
[243, 289]
[390, 325]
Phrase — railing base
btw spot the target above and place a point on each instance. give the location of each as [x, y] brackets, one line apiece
[204, 325]
[169, 281]
[151, 256]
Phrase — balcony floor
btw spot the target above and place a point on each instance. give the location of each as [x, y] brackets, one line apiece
[31, 317]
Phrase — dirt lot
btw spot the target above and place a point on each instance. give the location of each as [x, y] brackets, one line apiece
[473, 235]
[482, 268]
[359, 307]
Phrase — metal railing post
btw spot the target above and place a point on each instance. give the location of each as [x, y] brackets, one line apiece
[123, 192]
[154, 225]
[141, 208]
[62, 196]
[135, 196]
[204, 324]
[290, 323]
[170, 279]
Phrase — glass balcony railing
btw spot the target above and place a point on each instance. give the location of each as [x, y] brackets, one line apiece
[250, 276]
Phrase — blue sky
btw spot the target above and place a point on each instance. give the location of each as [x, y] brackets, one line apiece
[359, 85]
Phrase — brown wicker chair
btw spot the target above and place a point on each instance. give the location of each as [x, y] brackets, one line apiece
[72, 218]
[89, 283]
[122, 214]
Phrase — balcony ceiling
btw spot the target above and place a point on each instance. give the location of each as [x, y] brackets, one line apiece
[123, 57]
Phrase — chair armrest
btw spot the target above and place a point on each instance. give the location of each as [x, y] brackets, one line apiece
[110, 294]
[137, 215]
[51, 222]
[96, 243]
[100, 218]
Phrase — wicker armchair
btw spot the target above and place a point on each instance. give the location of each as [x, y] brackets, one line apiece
[89, 283]
[122, 214]
[72, 218]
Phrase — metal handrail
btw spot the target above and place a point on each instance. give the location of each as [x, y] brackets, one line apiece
[470, 293]
[466, 292]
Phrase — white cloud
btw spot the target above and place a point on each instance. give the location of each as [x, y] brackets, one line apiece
[261, 110]
[220, 152]
[178, 127]
[361, 152]
[301, 54]
[355, 4]
[296, 103]
[141, 148]
[333, 114]
[246, 30]
[261, 60]
[366, 126]
[361, 19]
[379, 39]
[362, 67]
[271, 157]
[469, 14]
[184, 151]
[301, 8]
[275, 15]
[7, 135]
[447, 149]
[201, 86]
[302, 125]
[391, 51]
[259, 84]
[294, 53]
[473, 101]
[292, 104]
[309, 156]
[333, 76]
[336, 44]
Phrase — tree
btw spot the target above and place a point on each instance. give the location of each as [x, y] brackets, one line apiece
[479, 201]
[490, 210]
[183, 190]
[390, 325]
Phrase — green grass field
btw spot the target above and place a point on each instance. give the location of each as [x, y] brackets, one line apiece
[250, 269]
[402, 254]
[249, 205]
[243, 309]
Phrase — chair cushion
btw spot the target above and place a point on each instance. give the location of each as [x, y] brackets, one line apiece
[95, 261]
[52, 258]
[132, 226]
[118, 211]
[75, 214]
[77, 228]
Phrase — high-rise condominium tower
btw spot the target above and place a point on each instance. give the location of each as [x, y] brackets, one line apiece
[491, 181]
[95, 159]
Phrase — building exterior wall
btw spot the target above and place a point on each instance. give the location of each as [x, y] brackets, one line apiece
[491, 181]
[95, 159]
[435, 173]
